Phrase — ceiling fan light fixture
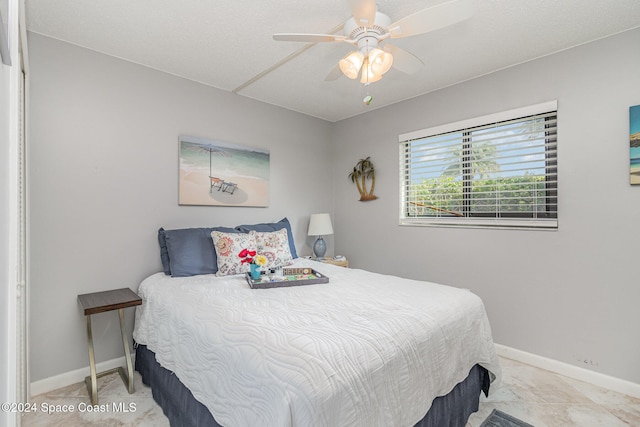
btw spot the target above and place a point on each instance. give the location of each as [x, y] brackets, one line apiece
[368, 75]
[350, 65]
[380, 61]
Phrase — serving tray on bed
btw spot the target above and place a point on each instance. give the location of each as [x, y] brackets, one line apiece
[290, 277]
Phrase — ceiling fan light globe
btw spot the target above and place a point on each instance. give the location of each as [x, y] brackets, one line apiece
[380, 61]
[372, 78]
[368, 75]
[350, 65]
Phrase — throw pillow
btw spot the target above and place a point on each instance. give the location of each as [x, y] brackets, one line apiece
[228, 246]
[274, 246]
[272, 226]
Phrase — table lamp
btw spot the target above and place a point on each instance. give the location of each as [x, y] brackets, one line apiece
[320, 225]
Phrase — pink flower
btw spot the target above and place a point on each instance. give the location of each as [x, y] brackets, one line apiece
[247, 256]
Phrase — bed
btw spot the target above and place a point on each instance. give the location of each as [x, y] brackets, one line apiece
[364, 349]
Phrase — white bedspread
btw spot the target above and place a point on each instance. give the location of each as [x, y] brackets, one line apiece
[362, 350]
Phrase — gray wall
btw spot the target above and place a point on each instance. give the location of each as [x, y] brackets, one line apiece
[570, 295]
[103, 171]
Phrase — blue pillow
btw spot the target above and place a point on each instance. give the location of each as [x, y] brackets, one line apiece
[191, 251]
[272, 226]
[164, 253]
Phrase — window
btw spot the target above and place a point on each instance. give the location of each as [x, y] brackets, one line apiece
[492, 171]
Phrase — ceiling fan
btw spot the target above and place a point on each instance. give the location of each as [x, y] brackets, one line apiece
[367, 29]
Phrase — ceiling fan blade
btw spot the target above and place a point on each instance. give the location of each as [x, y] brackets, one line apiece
[404, 61]
[363, 11]
[432, 18]
[309, 38]
[334, 74]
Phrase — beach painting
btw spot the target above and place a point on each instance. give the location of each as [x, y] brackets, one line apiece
[218, 173]
[634, 144]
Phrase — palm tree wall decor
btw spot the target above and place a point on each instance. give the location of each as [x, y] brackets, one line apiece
[362, 172]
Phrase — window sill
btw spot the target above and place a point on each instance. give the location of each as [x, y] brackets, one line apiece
[487, 223]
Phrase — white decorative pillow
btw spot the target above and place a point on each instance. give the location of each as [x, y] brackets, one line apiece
[274, 246]
[228, 246]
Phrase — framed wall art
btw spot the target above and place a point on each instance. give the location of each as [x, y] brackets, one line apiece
[219, 173]
[634, 144]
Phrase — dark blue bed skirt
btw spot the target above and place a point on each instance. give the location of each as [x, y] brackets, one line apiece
[183, 410]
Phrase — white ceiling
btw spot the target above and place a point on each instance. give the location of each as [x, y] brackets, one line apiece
[227, 43]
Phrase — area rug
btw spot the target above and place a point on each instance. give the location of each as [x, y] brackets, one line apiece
[500, 419]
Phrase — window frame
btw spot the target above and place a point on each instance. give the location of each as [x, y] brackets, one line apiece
[466, 127]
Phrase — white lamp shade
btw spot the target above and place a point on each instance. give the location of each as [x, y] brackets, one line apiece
[320, 225]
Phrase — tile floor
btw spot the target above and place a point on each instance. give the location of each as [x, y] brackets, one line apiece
[542, 398]
[111, 391]
[536, 396]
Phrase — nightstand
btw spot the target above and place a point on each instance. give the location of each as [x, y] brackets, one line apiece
[340, 263]
[100, 302]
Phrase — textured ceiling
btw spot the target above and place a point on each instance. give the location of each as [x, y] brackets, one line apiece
[228, 43]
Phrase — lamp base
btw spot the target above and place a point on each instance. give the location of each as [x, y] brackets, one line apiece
[319, 248]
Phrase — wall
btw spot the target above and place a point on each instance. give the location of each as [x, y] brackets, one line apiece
[103, 162]
[570, 295]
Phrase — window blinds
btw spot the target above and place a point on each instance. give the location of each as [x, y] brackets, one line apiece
[487, 173]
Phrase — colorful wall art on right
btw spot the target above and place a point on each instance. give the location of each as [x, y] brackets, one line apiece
[634, 144]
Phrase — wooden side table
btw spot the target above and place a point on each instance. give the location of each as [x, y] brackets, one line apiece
[340, 263]
[100, 302]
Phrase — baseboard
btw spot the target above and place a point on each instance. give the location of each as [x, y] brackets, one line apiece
[596, 378]
[62, 380]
